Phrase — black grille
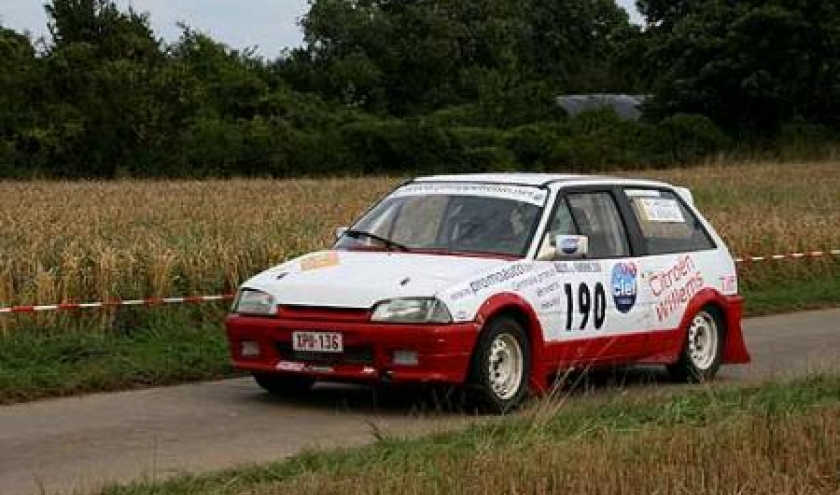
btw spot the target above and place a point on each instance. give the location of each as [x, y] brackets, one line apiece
[355, 354]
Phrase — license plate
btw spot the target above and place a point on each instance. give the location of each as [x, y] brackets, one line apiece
[317, 342]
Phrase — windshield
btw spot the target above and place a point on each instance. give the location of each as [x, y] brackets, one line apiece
[447, 222]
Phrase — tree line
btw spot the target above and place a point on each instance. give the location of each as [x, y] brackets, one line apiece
[396, 86]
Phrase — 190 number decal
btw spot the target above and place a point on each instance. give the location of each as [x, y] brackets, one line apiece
[590, 304]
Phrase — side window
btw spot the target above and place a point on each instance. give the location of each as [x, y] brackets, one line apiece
[667, 225]
[561, 223]
[596, 216]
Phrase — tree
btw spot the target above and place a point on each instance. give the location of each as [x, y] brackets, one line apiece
[17, 69]
[101, 24]
[748, 64]
[409, 57]
[103, 106]
[224, 82]
[575, 43]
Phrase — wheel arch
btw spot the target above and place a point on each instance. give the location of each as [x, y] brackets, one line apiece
[730, 309]
[516, 307]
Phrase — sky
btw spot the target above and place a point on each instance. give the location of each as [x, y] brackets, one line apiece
[266, 25]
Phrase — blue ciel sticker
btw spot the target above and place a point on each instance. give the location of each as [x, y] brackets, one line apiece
[624, 288]
[569, 246]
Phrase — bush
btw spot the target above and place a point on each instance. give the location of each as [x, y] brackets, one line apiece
[684, 138]
[535, 146]
[804, 141]
[421, 147]
[600, 140]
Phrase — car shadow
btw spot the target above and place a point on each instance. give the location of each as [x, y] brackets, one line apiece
[432, 401]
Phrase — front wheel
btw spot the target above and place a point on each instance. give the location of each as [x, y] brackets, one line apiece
[702, 351]
[501, 366]
[283, 385]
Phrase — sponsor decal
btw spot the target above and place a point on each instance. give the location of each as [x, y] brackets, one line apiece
[624, 286]
[544, 291]
[289, 366]
[499, 277]
[588, 267]
[524, 194]
[460, 294]
[570, 245]
[729, 284]
[642, 193]
[663, 281]
[319, 260]
[318, 368]
[661, 210]
[578, 267]
[674, 287]
[538, 279]
[564, 267]
[551, 303]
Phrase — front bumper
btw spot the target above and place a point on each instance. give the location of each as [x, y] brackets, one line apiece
[443, 351]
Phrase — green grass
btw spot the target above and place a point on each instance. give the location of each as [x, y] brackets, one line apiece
[144, 347]
[793, 295]
[767, 435]
[785, 286]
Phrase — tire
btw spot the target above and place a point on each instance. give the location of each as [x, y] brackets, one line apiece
[283, 385]
[500, 368]
[702, 351]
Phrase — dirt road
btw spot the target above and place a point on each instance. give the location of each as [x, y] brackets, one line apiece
[81, 443]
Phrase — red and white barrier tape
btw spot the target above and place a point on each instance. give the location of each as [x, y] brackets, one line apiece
[152, 301]
[160, 301]
[791, 256]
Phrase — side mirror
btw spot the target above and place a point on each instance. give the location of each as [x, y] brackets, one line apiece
[571, 246]
[339, 232]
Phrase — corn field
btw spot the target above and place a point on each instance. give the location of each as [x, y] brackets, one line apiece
[90, 241]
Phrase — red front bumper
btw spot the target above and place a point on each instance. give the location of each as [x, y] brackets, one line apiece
[443, 351]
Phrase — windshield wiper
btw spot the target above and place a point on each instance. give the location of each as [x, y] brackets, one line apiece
[388, 242]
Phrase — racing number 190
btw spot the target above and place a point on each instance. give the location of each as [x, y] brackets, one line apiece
[586, 305]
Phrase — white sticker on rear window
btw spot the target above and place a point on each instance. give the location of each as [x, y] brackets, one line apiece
[643, 193]
[661, 210]
[524, 194]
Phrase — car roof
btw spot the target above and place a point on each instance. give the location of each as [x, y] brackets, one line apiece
[538, 179]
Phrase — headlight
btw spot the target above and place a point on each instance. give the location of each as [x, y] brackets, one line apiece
[254, 302]
[411, 311]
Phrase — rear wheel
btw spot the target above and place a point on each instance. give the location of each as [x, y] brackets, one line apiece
[280, 385]
[501, 366]
[702, 352]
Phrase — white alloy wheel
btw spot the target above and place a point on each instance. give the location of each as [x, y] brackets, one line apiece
[702, 352]
[501, 367]
[506, 366]
[703, 336]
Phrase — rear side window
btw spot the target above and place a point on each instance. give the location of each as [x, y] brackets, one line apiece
[667, 225]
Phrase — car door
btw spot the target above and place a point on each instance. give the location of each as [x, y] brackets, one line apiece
[594, 310]
[679, 256]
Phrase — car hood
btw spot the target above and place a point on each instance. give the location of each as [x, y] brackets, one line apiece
[360, 279]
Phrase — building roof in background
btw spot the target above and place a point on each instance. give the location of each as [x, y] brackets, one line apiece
[627, 107]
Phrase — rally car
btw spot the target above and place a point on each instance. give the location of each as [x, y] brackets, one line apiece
[497, 282]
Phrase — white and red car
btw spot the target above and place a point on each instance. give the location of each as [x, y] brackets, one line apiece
[497, 281]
